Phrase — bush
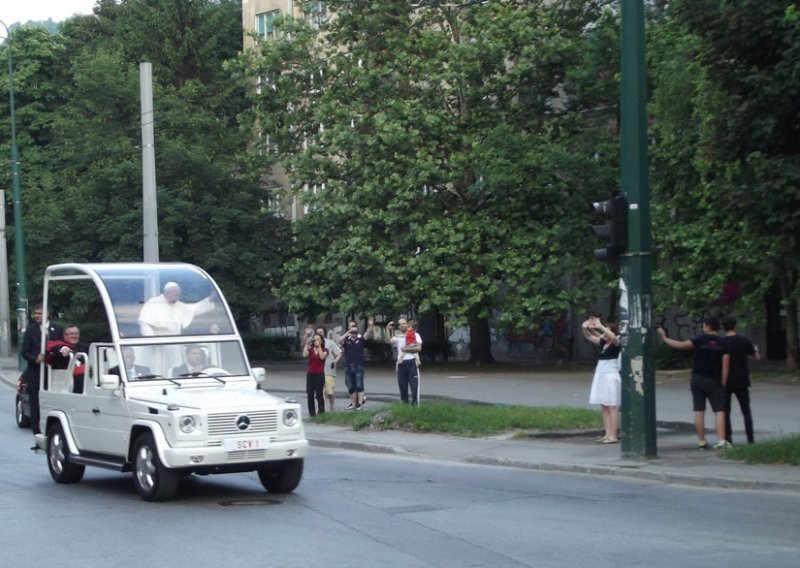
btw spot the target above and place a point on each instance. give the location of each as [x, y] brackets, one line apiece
[378, 351]
[261, 347]
[433, 351]
[667, 358]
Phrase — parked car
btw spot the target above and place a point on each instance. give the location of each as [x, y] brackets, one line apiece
[160, 385]
[22, 405]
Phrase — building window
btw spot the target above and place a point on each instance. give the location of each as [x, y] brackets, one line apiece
[315, 12]
[265, 24]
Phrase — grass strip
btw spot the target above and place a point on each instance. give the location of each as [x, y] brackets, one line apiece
[469, 421]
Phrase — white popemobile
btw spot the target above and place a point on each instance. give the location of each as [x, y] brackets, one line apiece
[146, 406]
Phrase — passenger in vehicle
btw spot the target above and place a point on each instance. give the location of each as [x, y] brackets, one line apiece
[58, 354]
[165, 314]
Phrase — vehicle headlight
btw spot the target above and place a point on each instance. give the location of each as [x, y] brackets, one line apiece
[290, 417]
[187, 424]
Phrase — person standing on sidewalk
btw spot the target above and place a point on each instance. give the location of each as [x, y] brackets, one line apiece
[32, 353]
[353, 344]
[407, 372]
[334, 354]
[709, 365]
[607, 383]
[314, 350]
[737, 381]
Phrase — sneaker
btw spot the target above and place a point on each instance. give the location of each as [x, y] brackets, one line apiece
[610, 441]
[702, 445]
[350, 406]
[358, 406]
[35, 448]
[723, 445]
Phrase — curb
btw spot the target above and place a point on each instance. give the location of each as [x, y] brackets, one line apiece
[611, 471]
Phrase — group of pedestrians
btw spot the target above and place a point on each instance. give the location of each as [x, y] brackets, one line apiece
[323, 355]
[720, 371]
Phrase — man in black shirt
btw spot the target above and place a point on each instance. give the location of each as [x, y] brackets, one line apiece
[737, 381]
[32, 353]
[709, 368]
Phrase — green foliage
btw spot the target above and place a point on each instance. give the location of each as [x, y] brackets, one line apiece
[260, 347]
[469, 421]
[668, 358]
[727, 162]
[780, 451]
[456, 162]
[80, 138]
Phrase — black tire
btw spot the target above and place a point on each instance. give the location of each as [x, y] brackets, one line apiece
[154, 481]
[281, 477]
[61, 468]
[22, 420]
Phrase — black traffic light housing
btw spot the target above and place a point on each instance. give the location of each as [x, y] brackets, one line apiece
[614, 231]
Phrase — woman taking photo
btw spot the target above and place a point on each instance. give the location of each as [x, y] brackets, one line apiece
[607, 383]
[315, 350]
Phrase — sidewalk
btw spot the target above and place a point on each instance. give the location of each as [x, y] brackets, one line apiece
[678, 461]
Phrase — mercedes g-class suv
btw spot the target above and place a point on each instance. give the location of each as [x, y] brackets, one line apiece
[158, 384]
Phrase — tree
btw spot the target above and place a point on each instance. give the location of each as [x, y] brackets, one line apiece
[447, 156]
[733, 132]
[212, 208]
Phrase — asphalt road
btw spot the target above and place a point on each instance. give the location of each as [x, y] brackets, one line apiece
[361, 509]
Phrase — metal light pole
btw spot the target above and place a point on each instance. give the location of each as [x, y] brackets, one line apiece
[19, 239]
[638, 374]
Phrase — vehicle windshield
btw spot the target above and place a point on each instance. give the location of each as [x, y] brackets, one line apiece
[164, 300]
[143, 362]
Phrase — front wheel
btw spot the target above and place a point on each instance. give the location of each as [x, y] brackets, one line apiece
[61, 469]
[281, 477]
[154, 481]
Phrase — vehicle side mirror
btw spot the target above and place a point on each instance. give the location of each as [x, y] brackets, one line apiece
[109, 382]
[260, 375]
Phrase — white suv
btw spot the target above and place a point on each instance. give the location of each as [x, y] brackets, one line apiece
[163, 387]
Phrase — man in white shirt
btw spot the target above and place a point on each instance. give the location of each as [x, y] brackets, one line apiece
[407, 372]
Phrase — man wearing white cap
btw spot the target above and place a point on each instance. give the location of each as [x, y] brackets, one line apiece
[165, 314]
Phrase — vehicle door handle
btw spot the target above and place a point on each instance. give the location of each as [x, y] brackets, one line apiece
[95, 410]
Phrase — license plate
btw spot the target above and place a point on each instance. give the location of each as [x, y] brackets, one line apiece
[244, 444]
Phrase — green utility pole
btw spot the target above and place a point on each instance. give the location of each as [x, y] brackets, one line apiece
[19, 239]
[638, 375]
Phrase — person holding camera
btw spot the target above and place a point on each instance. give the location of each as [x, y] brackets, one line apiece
[606, 383]
[316, 352]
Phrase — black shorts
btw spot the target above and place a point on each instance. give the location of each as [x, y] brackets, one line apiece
[704, 388]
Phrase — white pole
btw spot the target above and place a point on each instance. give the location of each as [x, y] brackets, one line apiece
[5, 324]
[149, 202]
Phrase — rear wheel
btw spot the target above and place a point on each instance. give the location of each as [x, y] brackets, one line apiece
[154, 481]
[281, 477]
[22, 420]
[61, 469]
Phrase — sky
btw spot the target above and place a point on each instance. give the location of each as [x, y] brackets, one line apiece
[20, 11]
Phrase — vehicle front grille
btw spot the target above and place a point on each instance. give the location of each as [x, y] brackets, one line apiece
[247, 455]
[228, 424]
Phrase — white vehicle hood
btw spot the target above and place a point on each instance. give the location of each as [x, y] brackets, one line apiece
[211, 397]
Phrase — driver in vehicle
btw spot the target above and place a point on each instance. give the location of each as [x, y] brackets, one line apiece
[196, 362]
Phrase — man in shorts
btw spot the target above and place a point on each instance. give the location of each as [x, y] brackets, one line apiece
[710, 356]
[334, 354]
[353, 345]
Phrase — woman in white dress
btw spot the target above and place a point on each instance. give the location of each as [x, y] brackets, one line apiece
[607, 383]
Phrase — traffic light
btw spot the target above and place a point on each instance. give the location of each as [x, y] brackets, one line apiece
[614, 231]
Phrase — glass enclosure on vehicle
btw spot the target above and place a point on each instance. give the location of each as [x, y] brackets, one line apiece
[168, 320]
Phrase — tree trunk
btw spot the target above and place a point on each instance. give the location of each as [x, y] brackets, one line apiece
[790, 304]
[480, 340]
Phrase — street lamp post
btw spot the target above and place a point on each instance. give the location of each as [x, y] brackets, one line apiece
[19, 239]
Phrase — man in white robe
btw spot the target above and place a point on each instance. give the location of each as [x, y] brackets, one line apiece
[165, 314]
